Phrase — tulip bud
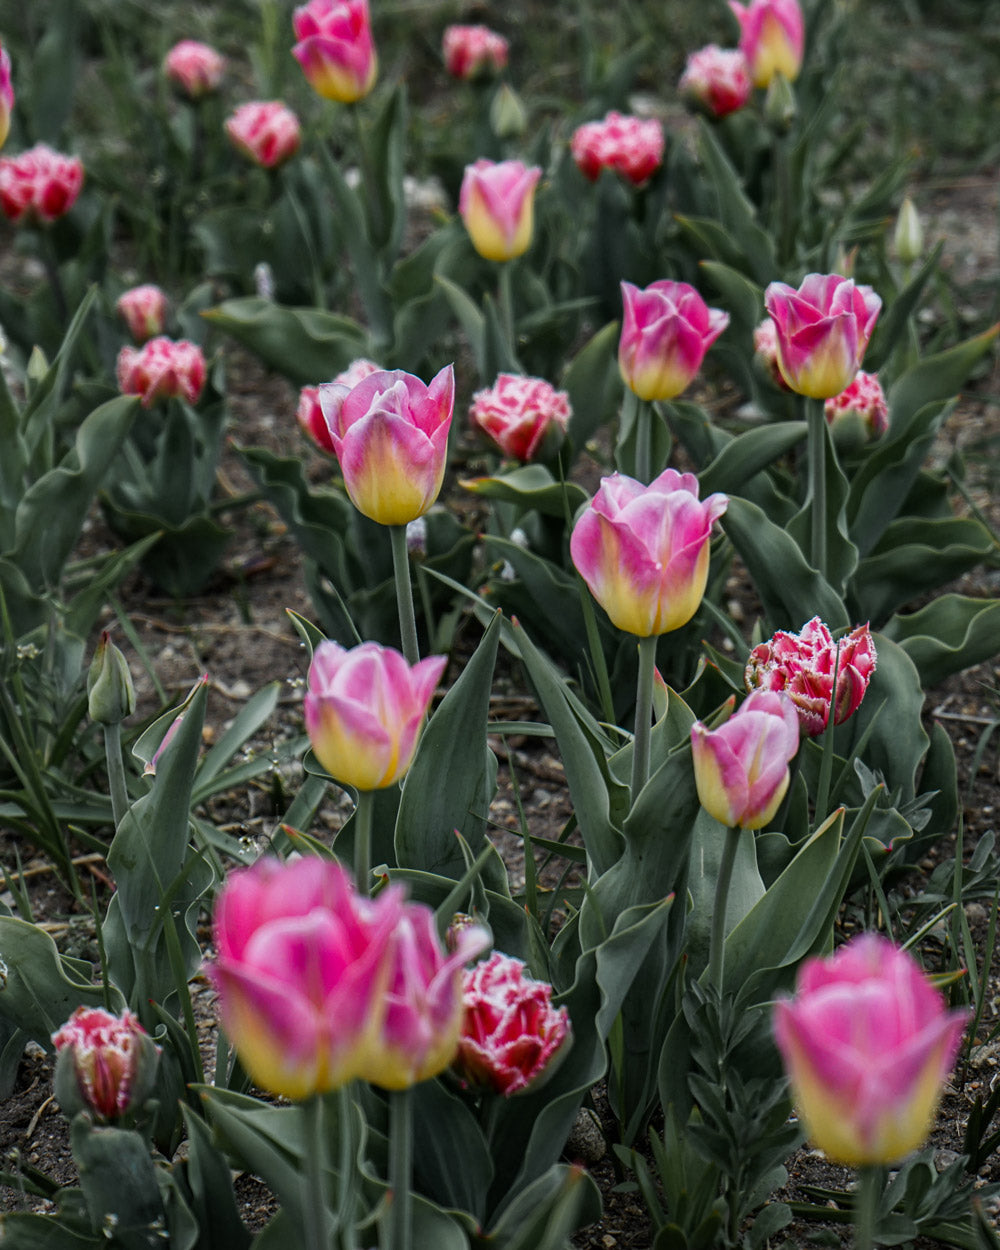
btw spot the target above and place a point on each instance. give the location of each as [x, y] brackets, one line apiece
[908, 239]
[508, 116]
[106, 1064]
[110, 692]
[779, 104]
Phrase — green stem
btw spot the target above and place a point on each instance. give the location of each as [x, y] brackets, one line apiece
[816, 453]
[717, 941]
[597, 658]
[505, 299]
[400, 1169]
[51, 262]
[376, 224]
[643, 441]
[869, 1191]
[643, 712]
[313, 1197]
[404, 593]
[363, 840]
[116, 772]
[348, 1175]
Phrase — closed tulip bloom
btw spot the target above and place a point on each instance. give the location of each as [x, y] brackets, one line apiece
[772, 38]
[643, 550]
[196, 68]
[390, 434]
[266, 131]
[823, 329]
[335, 48]
[741, 768]
[302, 968]
[473, 51]
[6, 96]
[39, 185]
[364, 708]
[144, 311]
[862, 404]
[162, 369]
[868, 1043]
[497, 205]
[423, 1001]
[524, 417]
[717, 80]
[105, 1064]
[666, 330]
[511, 1033]
[630, 146]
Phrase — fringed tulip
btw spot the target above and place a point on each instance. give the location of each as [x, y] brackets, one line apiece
[144, 311]
[630, 146]
[772, 38]
[6, 96]
[473, 51]
[716, 80]
[195, 68]
[390, 434]
[823, 330]
[868, 1043]
[497, 205]
[802, 665]
[511, 1033]
[105, 1064]
[162, 369]
[741, 768]
[666, 330]
[39, 185]
[266, 131]
[861, 405]
[525, 417]
[335, 48]
[364, 709]
[643, 550]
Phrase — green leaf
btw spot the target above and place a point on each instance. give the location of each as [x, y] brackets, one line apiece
[736, 213]
[471, 320]
[593, 383]
[386, 150]
[211, 1183]
[949, 635]
[893, 324]
[531, 486]
[937, 377]
[547, 1212]
[748, 454]
[118, 1180]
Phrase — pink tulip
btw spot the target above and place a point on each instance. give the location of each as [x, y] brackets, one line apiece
[497, 204]
[6, 96]
[801, 665]
[390, 434]
[772, 38]
[524, 417]
[310, 411]
[627, 145]
[511, 1033]
[473, 51]
[194, 67]
[335, 48]
[40, 185]
[823, 330]
[266, 131]
[741, 768]
[364, 709]
[717, 80]
[862, 403]
[162, 369]
[868, 1043]
[643, 550]
[666, 331]
[144, 311]
[106, 1064]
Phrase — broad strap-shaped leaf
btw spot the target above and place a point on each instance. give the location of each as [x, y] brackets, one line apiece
[593, 384]
[531, 486]
[747, 455]
[939, 376]
[951, 634]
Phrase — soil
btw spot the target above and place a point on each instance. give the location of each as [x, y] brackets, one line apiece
[238, 632]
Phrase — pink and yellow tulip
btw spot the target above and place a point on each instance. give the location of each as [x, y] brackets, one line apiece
[335, 48]
[666, 331]
[497, 205]
[643, 550]
[868, 1043]
[772, 38]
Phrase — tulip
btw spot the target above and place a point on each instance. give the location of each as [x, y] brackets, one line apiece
[524, 417]
[629, 146]
[666, 331]
[194, 67]
[110, 689]
[511, 1033]
[6, 96]
[473, 51]
[106, 1064]
[823, 330]
[643, 550]
[390, 434]
[335, 48]
[868, 1043]
[802, 665]
[364, 709]
[309, 413]
[162, 369]
[860, 406]
[741, 768]
[908, 236]
[772, 37]
[716, 80]
[497, 203]
[40, 185]
[144, 311]
[266, 131]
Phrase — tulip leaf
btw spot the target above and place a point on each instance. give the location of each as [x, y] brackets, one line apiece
[747, 455]
[456, 1135]
[893, 323]
[531, 486]
[387, 208]
[548, 1211]
[593, 385]
[949, 635]
[937, 377]
[736, 212]
[471, 320]
[745, 891]
[744, 298]
[118, 1179]
[210, 1182]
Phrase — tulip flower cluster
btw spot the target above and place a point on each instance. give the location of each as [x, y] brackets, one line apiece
[194, 68]
[525, 417]
[629, 146]
[40, 185]
[162, 369]
[473, 51]
[266, 131]
[716, 80]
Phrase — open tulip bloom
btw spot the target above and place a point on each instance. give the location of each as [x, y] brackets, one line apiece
[335, 48]
[772, 38]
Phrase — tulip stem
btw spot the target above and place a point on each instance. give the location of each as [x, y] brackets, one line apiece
[505, 298]
[116, 772]
[717, 941]
[400, 1170]
[816, 453]
[869, 1190]
[643, 713]
[314, 1204]
[404, 594]
[363, 841]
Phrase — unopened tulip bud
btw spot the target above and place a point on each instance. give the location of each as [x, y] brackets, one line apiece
[110, 692]
[908, 238]
[779, 104]
[508, 116]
